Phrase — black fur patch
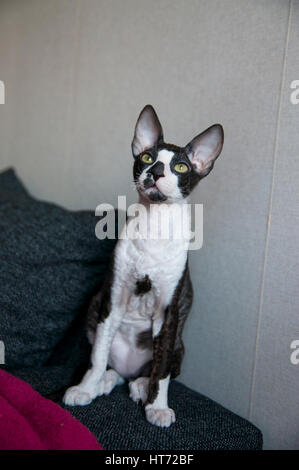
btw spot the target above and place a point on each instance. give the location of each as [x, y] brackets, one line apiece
[145, 340]
[143, 286]
[100, 304]
[156, 170]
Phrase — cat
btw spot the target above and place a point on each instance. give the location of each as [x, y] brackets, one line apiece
[135, 321]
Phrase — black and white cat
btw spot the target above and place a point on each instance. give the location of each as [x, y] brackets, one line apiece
[135, 322]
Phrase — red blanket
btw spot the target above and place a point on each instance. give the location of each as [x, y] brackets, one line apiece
[29, 421]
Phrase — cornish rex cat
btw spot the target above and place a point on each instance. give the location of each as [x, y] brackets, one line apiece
[135, 322]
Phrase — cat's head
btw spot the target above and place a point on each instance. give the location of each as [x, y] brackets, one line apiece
[167, 173]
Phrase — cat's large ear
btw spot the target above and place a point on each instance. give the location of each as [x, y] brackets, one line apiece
[203, 150]
[148, 131]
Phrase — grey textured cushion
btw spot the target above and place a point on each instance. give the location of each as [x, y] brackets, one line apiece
[50, 264]
[201, 424]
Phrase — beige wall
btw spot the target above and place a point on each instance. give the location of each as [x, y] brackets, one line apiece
[77, 74]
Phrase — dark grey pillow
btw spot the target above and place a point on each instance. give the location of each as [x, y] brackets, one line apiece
[51, 263]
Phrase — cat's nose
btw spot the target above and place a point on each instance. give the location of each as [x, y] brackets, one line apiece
[157, 170]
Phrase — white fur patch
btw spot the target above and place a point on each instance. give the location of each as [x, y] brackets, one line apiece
[162, 418]
[139, 389]
[83, 394]
[124, 354]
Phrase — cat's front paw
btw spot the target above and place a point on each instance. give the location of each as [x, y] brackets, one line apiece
[163, 418]
[76, 396]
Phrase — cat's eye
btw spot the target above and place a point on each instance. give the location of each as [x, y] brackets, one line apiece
[147, 158]
[181, 168]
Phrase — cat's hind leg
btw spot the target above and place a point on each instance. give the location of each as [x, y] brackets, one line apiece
[139, 389]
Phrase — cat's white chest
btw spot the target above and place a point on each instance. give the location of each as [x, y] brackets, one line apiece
[162, 261]
[150, 253]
